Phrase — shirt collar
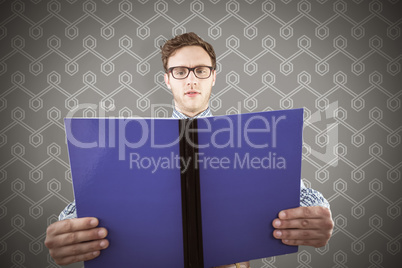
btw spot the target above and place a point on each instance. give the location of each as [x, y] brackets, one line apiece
[178, 115]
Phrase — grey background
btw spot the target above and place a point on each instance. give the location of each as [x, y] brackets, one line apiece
[340, 60]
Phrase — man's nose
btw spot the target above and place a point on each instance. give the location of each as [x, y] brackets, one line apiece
[191, 78]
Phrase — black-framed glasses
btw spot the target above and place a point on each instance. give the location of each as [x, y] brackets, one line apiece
[182, 72]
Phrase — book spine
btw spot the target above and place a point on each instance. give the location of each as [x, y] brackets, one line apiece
[190, 194]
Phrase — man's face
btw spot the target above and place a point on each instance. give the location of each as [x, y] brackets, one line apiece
[191, 95]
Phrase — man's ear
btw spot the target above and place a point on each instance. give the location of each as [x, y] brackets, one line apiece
[214, 78]
[167, 82]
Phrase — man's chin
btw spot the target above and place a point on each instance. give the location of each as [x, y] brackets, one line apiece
[192, 107]
[192, 111]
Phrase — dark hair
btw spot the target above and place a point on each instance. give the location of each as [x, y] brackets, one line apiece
[186, 39]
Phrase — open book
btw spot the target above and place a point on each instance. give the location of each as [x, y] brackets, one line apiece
[187, 192]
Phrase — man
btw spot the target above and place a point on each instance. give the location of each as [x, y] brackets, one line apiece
[190, 63]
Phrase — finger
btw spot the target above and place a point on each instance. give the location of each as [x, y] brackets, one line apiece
[298, 224]
[297, 234]
[73, 259]
[313, 243]
[304, 213]
[78, 237]
[71, 225]
[79, 249]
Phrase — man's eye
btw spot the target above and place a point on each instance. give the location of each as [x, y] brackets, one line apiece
[179, 72]
[201, 71]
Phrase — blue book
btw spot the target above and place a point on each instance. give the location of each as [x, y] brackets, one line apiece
[187, 192]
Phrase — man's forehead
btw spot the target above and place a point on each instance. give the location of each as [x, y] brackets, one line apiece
[189, 55]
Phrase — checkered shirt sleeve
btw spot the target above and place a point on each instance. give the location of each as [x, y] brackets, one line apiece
[310, 197]
[69, 212]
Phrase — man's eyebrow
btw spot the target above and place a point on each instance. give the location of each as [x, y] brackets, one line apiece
[198, 65]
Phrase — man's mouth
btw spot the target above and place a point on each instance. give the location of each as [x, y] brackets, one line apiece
[191, 93]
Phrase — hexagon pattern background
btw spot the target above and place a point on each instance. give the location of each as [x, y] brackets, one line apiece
[339, 59]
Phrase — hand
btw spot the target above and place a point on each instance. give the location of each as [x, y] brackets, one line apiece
[75, 240]
[236, 265]
[309, 226]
